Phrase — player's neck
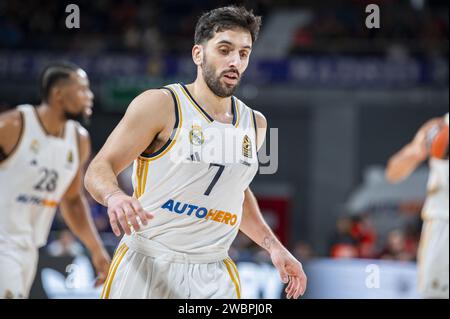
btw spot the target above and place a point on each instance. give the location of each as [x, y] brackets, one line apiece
[52, 121]
[214, 105]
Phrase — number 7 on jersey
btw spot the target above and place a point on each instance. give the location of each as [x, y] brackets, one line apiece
[216, 177]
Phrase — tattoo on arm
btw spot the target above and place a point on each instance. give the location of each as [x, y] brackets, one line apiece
[268, 242]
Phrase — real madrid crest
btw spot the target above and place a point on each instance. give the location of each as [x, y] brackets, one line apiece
[69, 159]
[247, 147]
[196, 135]
[34, 146]
[70, 156]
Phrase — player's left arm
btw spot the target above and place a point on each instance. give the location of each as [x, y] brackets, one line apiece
[256, 228]
[76, 213]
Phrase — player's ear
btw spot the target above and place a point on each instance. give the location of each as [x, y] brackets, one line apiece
[55, 92]
[197, 54]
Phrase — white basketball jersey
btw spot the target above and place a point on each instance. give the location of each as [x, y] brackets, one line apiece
[436, 204]
[33, 180]
[195, 183]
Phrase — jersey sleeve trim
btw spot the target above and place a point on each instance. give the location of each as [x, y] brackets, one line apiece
[236, 113]
[194, 103]
[176, 130]
[255, 127]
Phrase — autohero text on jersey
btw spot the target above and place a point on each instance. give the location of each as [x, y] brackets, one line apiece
[200, 212]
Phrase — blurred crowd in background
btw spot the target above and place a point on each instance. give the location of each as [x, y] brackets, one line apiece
[409, 26]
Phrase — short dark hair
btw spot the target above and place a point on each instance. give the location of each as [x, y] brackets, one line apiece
[53, 74]
[226, 18]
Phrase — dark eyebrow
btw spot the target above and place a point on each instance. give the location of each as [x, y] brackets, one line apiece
[228, 42]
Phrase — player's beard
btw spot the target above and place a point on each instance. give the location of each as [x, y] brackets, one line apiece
[213, 81]
[80, 117]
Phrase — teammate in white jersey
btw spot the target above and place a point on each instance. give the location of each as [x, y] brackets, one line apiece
[194, 150]
[433, 258]
[42, 152]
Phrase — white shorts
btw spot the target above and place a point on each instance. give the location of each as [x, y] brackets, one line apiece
[433, 259]
[144, 269]
[17, 270]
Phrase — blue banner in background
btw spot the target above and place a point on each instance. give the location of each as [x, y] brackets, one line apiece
[305, 71]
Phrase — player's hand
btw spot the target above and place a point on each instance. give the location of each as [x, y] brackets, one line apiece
[291, 272]
[124, 210]
[437, 121]
[101, 262]
[419, 144]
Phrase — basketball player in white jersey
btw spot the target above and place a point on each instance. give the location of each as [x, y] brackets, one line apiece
[42, 153]
[433, 263]
[189, 201]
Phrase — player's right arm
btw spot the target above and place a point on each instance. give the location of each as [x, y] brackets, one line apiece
[405, 161]
[10, 131]
[146, 116]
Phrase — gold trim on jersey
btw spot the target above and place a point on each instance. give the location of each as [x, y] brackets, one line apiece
[114, 259]
[234, 101]
[144, 182]
[141, 177]
[252, 119]
[230, 272]
[194, 104]
[235, 270]
[238, 113]
[177, 132]
[118, 256]
[138, 178]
